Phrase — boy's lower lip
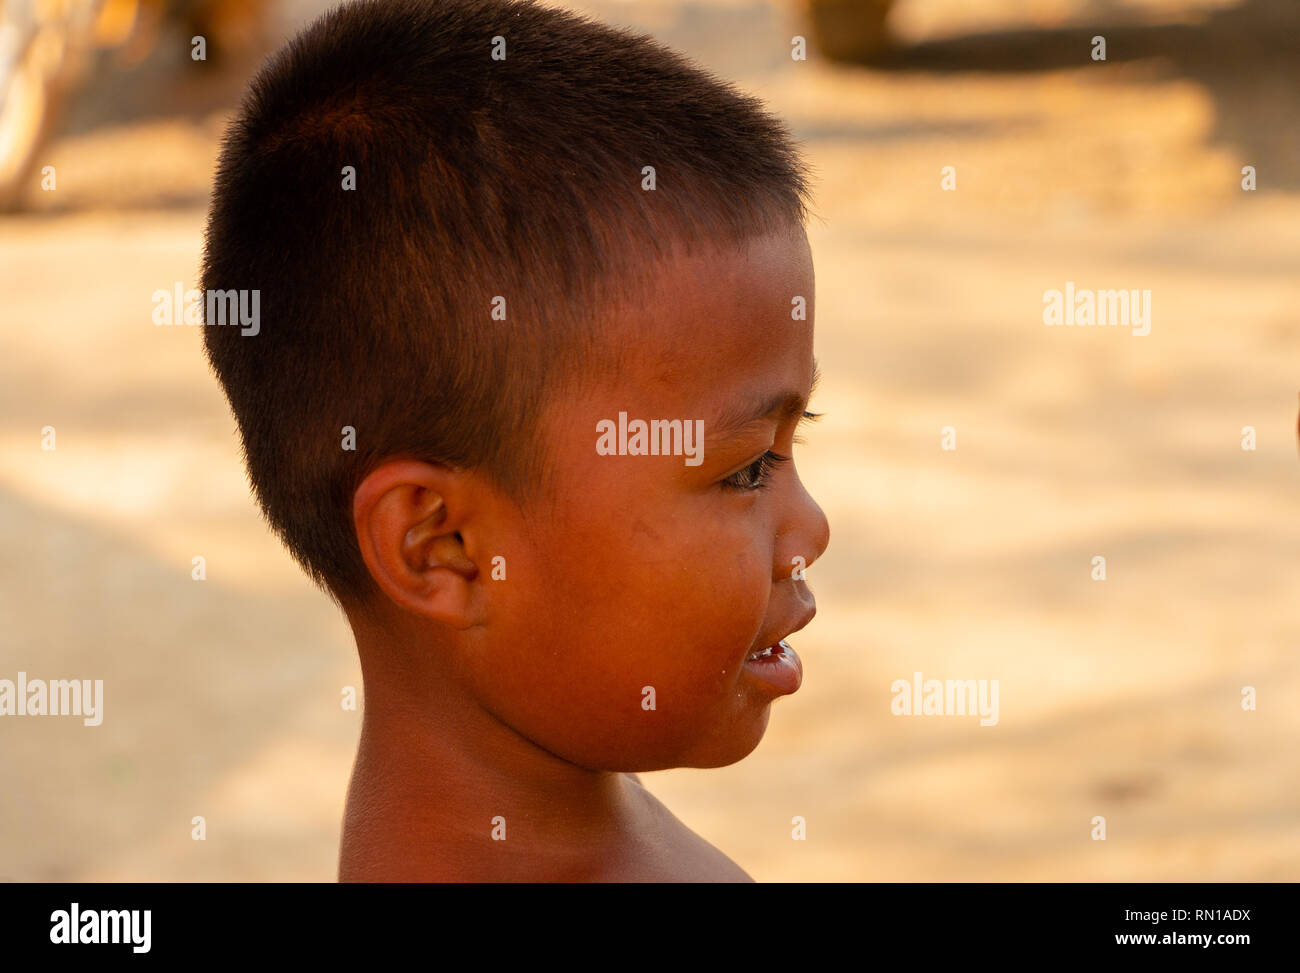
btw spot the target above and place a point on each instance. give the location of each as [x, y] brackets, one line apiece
[778, 666]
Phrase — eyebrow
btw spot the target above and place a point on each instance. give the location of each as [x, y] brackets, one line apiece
[782, 406]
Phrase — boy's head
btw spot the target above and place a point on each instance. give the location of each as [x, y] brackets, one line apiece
[480, 230]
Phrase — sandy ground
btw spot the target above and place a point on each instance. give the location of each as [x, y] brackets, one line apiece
[1118, 698]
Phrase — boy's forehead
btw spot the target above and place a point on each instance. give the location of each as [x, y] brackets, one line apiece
[722, 312]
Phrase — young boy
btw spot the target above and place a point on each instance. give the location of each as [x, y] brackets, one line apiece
[536, 328]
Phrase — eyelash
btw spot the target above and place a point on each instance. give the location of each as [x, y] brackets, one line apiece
[755, 475]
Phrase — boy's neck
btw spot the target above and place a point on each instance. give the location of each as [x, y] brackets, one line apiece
[433, 801]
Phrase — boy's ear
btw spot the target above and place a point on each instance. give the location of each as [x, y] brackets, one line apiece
[408, 517]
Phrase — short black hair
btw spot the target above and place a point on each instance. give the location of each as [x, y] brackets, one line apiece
[477, 176]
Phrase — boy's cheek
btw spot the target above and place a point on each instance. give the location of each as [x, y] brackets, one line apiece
[630, 650]
[599, 693]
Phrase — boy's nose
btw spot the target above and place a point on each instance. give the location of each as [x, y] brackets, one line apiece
[819, 528]
[807, 537]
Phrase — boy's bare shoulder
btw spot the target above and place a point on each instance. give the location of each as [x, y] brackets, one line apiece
[669, 851]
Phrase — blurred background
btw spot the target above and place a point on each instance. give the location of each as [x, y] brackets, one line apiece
[1119, 698]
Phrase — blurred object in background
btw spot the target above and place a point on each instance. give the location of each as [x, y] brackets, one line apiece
[47, 48]
[847, 30]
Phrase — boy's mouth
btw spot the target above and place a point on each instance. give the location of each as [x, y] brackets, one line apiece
[777, 665]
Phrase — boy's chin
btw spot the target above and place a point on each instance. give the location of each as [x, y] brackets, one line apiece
[715, 746]
[726, 746]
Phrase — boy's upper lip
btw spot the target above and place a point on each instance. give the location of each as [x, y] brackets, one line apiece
[807, 616]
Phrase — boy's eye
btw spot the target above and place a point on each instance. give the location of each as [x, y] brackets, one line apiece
[754, 476]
